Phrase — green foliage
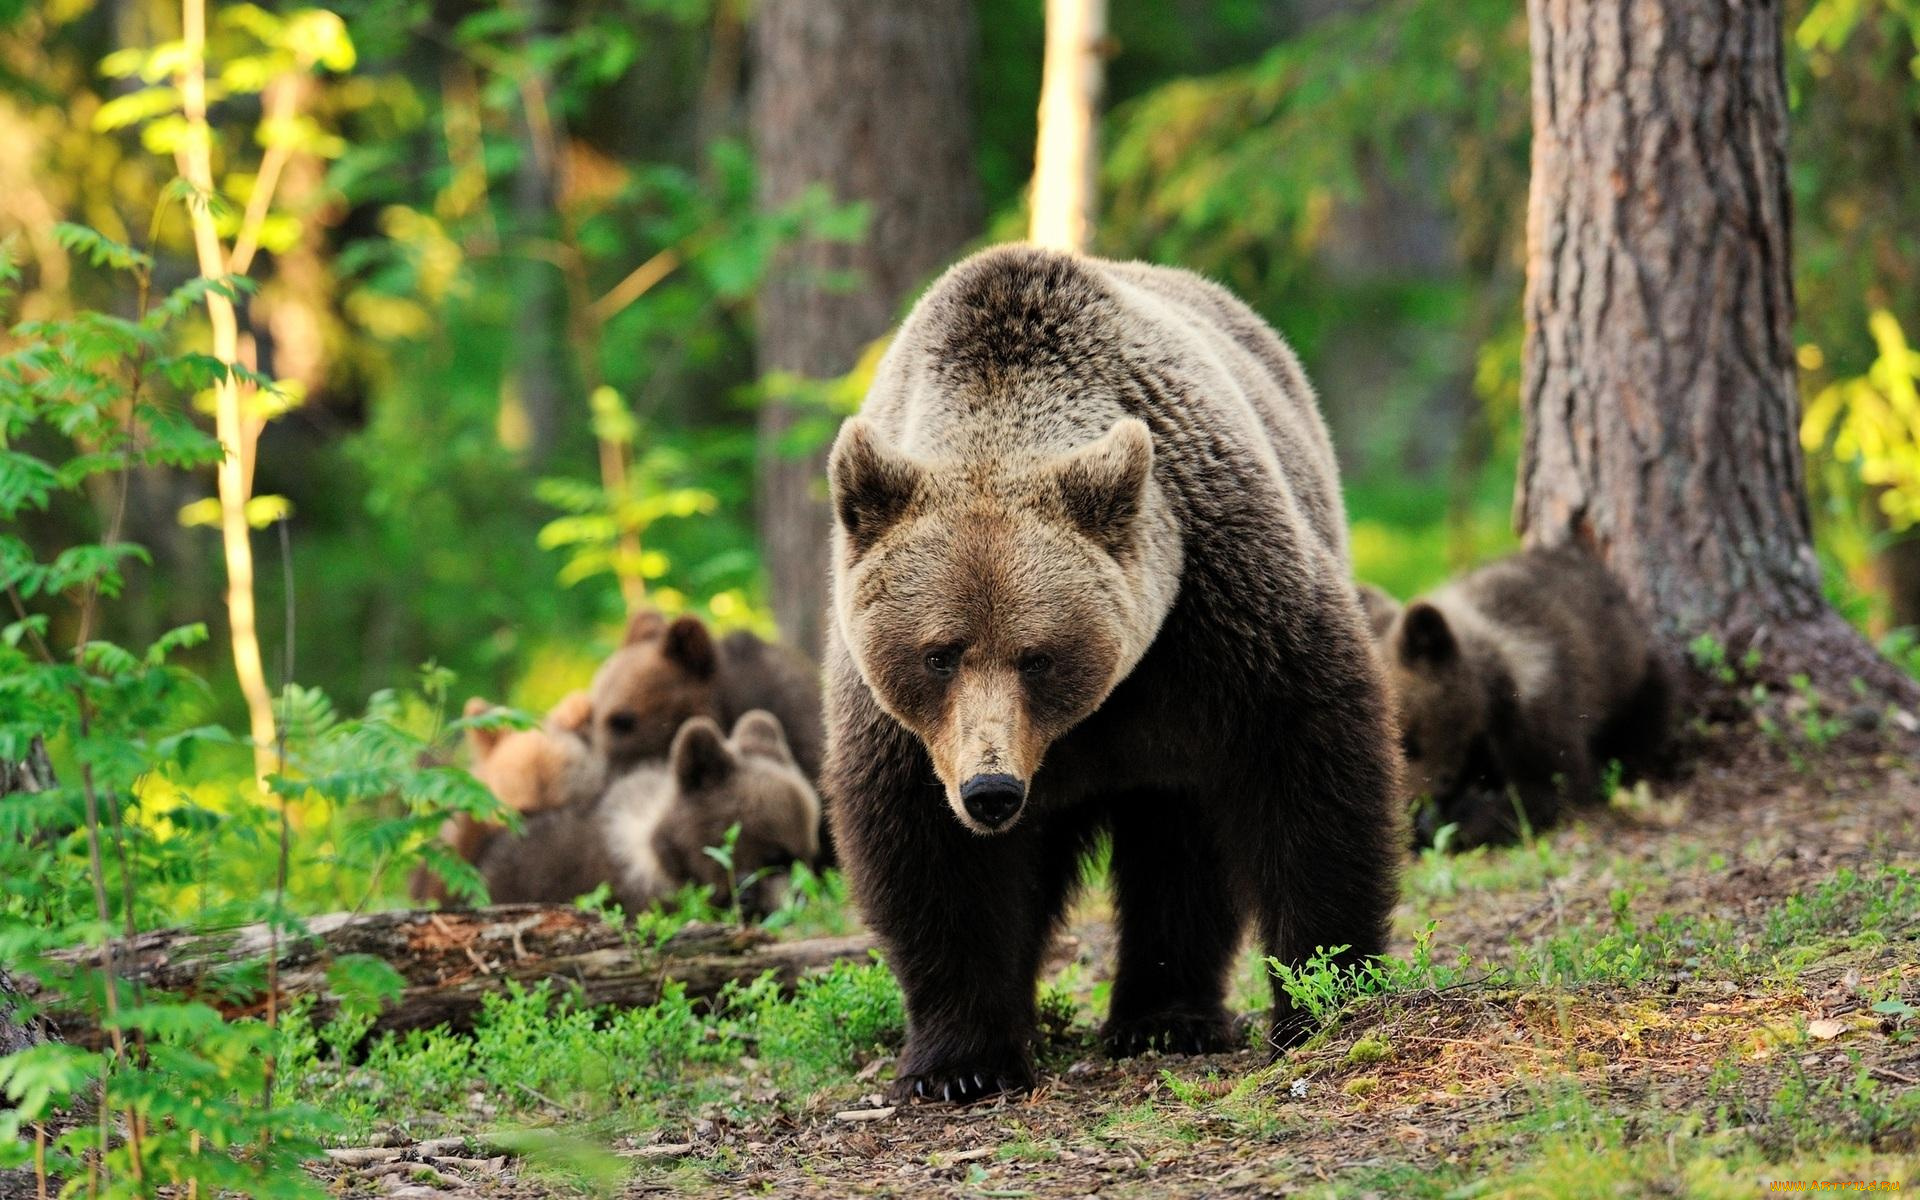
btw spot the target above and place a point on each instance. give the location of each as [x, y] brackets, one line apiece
[530, 1046]
[146, 801]
[1872, 422]
[1878, 903]
[848, 1010]
[1324, 986]
[534, 1049]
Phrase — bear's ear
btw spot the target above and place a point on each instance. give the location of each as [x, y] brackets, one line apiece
[872, 484]
[1103, 482]
[1380, 608]
[700, 757]
[690, 646]
[1425, 635]
[480, 742]
[573, 714]
[758, 732]
[644, 626]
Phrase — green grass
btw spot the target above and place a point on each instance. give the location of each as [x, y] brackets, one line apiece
[1437, 874]
[560, 1079]
[534, 1055]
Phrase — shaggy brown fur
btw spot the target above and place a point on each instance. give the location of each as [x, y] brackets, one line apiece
[783, 681]
[647, 836]
[1514, 684]
[1090, 574]
[528, 770]
[663, 674]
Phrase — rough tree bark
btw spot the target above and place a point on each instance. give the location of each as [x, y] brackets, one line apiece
[872, 99]
[1659, 380]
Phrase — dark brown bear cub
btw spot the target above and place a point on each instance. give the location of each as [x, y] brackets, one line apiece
[668, 671]
[1515, 684]
[1090, 574]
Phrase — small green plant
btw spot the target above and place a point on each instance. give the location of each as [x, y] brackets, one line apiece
[724, 854]
[1612, 778]
[1709, 655]
[816, 903]
[1876, 903]
[1325, 985]
[833, 1017]
[1817, 728]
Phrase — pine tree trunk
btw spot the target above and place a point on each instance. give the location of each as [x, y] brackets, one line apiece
[1662, 414]
[870, 98]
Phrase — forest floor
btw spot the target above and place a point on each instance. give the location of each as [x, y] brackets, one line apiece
[1711, 985]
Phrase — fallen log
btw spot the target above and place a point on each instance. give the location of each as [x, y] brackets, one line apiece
[451, 960]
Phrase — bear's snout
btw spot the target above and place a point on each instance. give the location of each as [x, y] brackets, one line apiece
[993, 800]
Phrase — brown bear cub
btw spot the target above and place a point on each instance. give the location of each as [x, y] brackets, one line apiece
[663, 675]
[669, 671]
[1090, 576]
[647, 836]
[666, 672]
[1515, 684]
[528, 770]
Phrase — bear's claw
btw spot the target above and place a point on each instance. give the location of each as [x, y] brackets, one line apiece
[1170, 1033]
[964, 1087]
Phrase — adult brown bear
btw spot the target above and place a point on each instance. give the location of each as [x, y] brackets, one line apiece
[1090, 573]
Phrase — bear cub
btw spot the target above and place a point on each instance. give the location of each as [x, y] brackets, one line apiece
[1515, 683]
[663, 675]
[647, 835]
[667, 672]
[528, 770]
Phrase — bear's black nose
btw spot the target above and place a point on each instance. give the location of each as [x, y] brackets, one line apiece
[993, 800]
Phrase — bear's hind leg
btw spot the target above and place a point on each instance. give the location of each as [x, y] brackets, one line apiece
[1315, 838]
[1179, 928]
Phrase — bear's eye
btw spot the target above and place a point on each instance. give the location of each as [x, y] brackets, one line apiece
[944, 661]
[1410, 746]
[623, 722]
[1036, 664]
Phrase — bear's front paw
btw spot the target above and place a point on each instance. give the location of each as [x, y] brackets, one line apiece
[957, 1087]
[960, 1077]
[1180, 1031]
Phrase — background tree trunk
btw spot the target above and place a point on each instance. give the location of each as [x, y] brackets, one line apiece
[1067, 150]
[1659, 378]
[872, 99]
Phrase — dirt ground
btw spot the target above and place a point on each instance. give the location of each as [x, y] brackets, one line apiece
[1461, 1088]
